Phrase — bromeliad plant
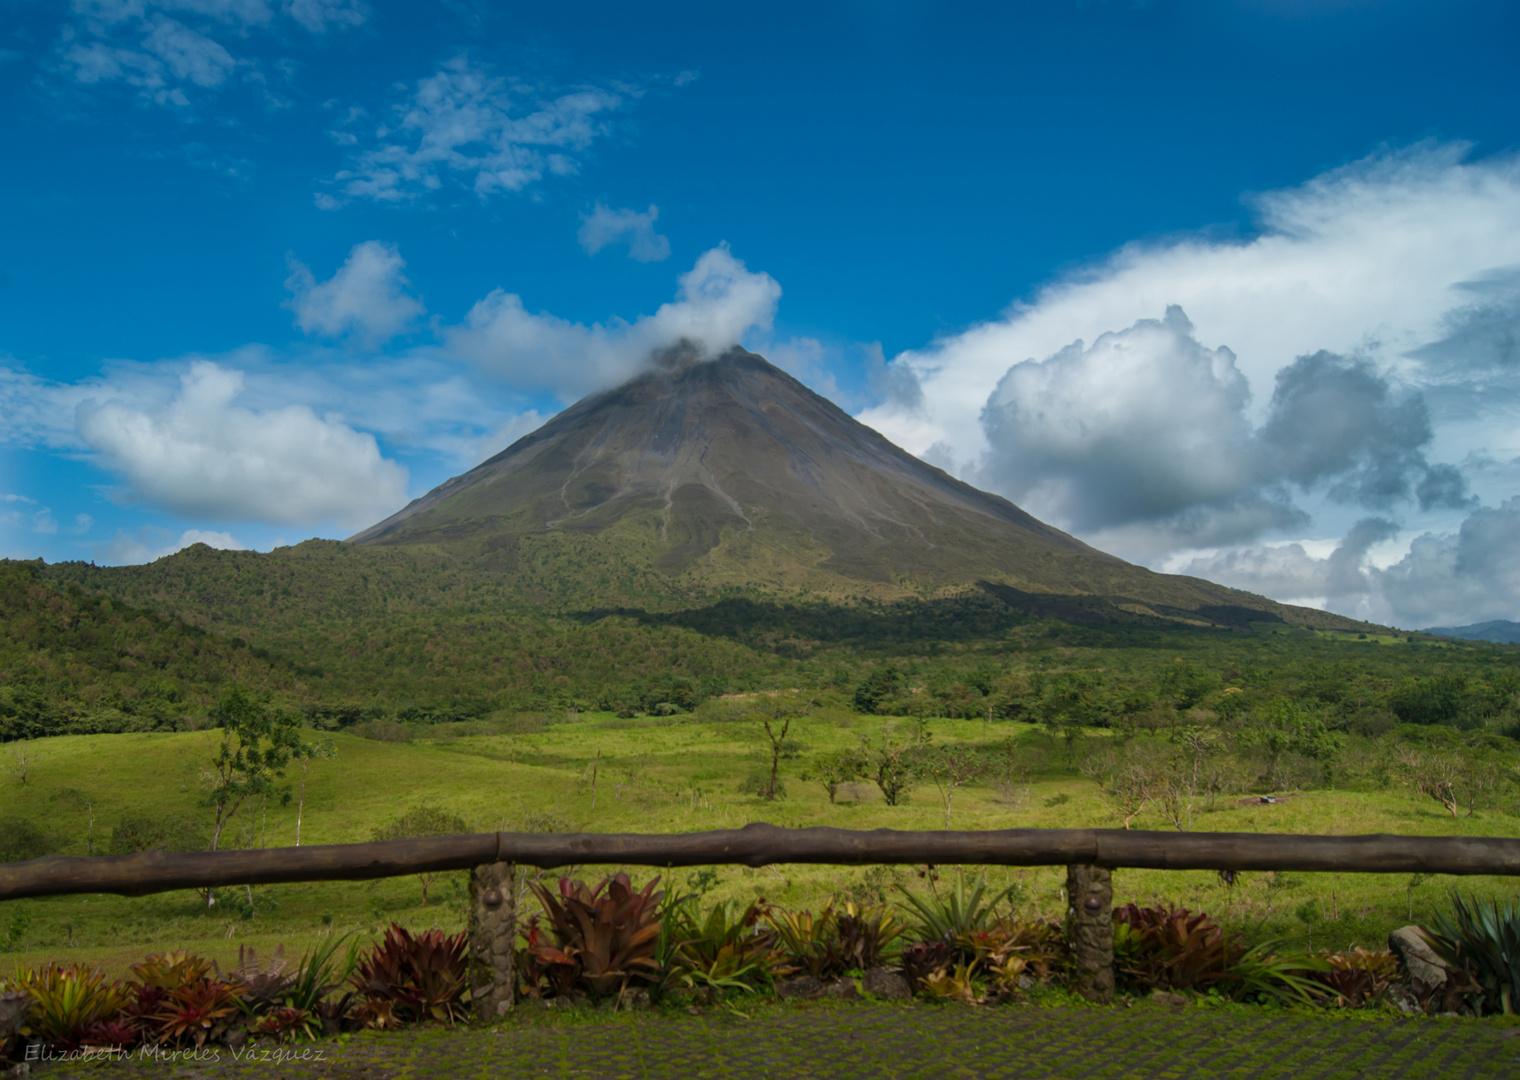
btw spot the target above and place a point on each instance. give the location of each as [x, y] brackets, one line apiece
[596, 940]
[1358, 976]
[1482, 939]
[1171, 949]
[810, 943]
[68, 1002]
[966, 909]
[728, 950]
[409, 979]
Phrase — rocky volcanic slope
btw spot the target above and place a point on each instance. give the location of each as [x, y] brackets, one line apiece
[730, 474]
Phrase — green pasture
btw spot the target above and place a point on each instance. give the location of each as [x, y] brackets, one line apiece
[595, 772]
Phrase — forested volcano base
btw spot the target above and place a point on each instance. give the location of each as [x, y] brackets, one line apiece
[150, 648]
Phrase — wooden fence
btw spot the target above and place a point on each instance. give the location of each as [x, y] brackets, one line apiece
[760, 845]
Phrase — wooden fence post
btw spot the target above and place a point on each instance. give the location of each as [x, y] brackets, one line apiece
[1090, 892]
[493, 933]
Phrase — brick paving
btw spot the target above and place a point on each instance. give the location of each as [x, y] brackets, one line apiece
[895, 1042]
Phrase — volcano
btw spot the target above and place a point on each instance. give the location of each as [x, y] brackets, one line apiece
[730, 473]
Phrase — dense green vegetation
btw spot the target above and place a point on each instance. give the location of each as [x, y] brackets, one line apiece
[385, 636]
[72, 662]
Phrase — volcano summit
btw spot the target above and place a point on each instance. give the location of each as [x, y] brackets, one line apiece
[730, 474]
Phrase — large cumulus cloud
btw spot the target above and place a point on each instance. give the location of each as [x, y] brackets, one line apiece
[203, 455]
[1147, 432]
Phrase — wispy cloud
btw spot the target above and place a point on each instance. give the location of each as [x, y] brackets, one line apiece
[604, 227]
[169, 50]
[465, 126]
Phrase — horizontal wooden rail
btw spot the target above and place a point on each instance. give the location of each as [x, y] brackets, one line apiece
[760, 845]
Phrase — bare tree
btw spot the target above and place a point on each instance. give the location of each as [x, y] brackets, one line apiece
[950, 768]
[305, 753]
[776, 736]
[1432, 774]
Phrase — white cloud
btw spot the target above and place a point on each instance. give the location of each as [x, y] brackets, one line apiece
[203, 456]
[1368, 258]
[1379, 303]
[480, 129]
[1143, 440]
[718, 300]
[152, 543]
[605, 226]
[366, 298]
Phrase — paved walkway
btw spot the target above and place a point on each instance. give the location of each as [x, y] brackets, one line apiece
[877, 1041]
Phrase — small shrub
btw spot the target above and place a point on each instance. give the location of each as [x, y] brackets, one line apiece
[808, 942]
[22, 838]
[959, 915]
[1358, 976]
[925, 958]
[1171, 948]
[151, 832]
[189, 1013]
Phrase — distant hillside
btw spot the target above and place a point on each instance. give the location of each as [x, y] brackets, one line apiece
[1499, 631]
[77, 663]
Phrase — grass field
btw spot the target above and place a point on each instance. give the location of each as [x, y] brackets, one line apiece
[655, 775]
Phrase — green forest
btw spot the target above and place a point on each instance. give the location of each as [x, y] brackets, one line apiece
[125, 651]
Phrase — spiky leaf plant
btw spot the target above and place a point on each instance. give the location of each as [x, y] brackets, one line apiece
[68, 1001]
[966, 909]
[730, 949]
[1482, 938]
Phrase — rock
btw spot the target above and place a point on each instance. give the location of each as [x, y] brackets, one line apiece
[635, 998]
[14, 1006]
[237, 1037]
[888, 985]
[1427, 972]
[804, 988]
[841, 990]
[267, 1042]
[1402, 997]
[1163, 997]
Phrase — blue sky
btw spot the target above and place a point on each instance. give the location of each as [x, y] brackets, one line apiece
[1229, 288]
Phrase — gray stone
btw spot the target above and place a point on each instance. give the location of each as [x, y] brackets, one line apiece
[634, 998]
[804, 988]
[841, 989]
[1426, 970]
[1163, 997]
[1090, 922]
[887, 985]
[493, 932]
